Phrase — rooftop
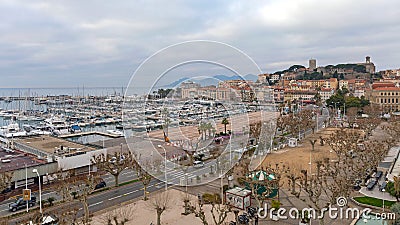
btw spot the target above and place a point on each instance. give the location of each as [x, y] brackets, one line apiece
[53, 145]
[16, 159]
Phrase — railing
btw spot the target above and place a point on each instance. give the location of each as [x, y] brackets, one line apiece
[31, 150]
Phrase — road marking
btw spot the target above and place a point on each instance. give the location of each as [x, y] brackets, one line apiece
[131, 192]
[96, 203]
[114, 197]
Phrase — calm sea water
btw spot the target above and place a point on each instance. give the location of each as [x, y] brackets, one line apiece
[38, 92]
[77, 91]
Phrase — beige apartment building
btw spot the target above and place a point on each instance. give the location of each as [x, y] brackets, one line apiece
[386, 97]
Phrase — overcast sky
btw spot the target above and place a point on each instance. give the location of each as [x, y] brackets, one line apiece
[101, 43]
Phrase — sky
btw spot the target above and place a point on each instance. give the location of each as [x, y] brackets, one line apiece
[102, 43]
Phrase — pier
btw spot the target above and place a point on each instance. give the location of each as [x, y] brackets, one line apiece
[88, 133]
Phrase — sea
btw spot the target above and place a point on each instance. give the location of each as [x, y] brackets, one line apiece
[77, 91]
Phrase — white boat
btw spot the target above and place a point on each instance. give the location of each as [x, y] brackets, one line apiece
[12, 130]
[56, 123]
[115, 132]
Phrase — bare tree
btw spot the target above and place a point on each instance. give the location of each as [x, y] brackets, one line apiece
[119, 216]
[312, 142]
[314, 186]
[160, 202]
[113, 163]
[84, 188]
[142, 174]
[68, 216]
[194, 146]
[219, 212]
[255, 129]
[293, 174]
[65, 184]
[5, 179]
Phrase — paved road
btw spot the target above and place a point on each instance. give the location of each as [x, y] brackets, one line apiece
[125, 176]
[116, 196]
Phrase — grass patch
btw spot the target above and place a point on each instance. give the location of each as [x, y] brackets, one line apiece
[109, 188]
[373, 201]
[128, 182]
[100, 190]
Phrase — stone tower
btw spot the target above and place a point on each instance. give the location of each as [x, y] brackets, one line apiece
[312, 64]
[367, 59]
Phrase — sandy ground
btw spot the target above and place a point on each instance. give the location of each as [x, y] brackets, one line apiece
[299, 157]
[141, 213]
[236, 123]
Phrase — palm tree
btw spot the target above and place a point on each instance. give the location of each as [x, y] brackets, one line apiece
[202, 128]
[225, 122]
[209, 127]
[167, 121]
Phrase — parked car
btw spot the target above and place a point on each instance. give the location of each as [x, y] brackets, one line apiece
[378, 174]
[6, 190]
[383, 186]
[21, 203]
[102, 184]
[371, 185]
[356, 187]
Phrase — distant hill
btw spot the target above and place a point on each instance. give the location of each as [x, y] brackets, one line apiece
[212, 80]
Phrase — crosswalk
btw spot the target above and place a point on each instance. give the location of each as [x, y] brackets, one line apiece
[174, 176]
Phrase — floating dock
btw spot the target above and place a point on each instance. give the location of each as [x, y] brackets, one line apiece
[89, 133]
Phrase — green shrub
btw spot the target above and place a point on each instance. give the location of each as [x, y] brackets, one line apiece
[275, 204]
[225, 187]
[241, 181]
[209, 198]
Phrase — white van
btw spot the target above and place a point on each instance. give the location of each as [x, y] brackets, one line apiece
[198, 164]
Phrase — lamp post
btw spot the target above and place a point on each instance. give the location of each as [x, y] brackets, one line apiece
[165, 166]
[383, 200]
[40, 190]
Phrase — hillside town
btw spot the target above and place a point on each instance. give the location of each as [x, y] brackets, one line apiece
[311, 85]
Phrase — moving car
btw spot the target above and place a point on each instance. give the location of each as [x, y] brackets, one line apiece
[21, 203]
[198, 164]
[102, 184]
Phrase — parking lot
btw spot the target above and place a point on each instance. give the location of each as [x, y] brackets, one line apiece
[374, 188]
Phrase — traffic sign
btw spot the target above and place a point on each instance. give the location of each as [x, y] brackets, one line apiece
[26, 194]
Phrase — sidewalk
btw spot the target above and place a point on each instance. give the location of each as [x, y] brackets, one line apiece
[377, 194]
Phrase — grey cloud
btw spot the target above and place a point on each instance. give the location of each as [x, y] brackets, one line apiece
[100, 43]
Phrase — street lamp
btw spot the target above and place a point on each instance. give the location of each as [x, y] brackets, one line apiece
[383, 200]
[165, 166]
[40, 190]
